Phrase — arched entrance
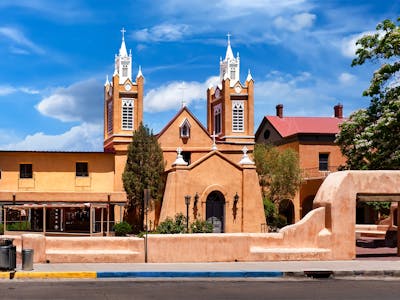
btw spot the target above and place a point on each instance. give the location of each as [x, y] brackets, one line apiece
[286, 208]
[215, 211]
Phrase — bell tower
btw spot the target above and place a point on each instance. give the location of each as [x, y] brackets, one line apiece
[123, 102]
[230, 104]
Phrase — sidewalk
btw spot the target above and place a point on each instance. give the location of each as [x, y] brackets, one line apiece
[365, 268]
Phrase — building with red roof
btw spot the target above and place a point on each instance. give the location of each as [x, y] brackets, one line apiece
[313, 138]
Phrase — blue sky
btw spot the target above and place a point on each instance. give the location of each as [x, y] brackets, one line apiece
[55, 56]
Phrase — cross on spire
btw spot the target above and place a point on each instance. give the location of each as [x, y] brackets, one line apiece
[183, 88]
[229, 37]
[123, 33]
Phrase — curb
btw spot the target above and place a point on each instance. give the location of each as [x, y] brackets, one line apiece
[193, 274]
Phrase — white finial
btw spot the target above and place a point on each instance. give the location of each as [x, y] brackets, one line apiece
[245, 158]
[107, 81]
[249, 77]
[139, 73]
[214, 145]
[179, 159]
[123, 33]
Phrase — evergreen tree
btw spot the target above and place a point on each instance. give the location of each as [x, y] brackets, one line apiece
[369, 139]
[144, 169]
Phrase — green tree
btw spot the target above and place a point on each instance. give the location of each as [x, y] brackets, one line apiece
[369, 138]
[279, 172]
[144, 169]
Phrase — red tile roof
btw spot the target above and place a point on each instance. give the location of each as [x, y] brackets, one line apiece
[288, 126]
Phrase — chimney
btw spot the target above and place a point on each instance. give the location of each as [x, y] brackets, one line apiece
[279, 110]
[338, 111]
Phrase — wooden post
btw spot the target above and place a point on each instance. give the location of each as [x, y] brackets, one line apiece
[5, 220]
[108, 219]
[398, 229]
[102, 217]
[90, 220]
[44, 220]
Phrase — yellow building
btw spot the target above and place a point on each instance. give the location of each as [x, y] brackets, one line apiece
[72, 192]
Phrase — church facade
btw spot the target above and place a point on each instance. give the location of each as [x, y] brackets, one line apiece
[209, 172]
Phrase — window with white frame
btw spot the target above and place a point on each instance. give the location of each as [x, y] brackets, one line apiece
[232, 73]
[217, 118]
[185, 129]
[127, 114]
[124, 69]
[237, 116]
[109, 116]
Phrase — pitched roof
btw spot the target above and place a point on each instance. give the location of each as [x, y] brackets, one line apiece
[288, 126]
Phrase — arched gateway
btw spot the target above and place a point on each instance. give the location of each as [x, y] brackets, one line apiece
[215, 211]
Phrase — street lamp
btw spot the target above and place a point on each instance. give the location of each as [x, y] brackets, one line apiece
[187, 202]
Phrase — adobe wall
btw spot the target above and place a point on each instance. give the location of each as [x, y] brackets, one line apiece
[338, 195]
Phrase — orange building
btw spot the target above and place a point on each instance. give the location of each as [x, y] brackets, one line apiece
[72, 192]
[313, 139]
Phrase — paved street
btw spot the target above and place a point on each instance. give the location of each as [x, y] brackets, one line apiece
[278, 289]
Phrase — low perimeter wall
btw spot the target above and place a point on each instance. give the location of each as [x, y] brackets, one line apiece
[307, 239]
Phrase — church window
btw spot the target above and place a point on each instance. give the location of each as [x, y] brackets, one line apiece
[25, 171]
[186, 155]
[127, 114]
[232, 73]
[185, 129]
[109, 117]
[81, 169]
[237, 116]
[217, 119]
[124, 70]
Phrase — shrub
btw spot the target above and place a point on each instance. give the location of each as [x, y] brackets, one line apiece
[122, 228]
[19, 226]
[170, 226]
[1, 228]
[201, 226]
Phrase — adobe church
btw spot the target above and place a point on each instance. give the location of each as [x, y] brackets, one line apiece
[83, 191]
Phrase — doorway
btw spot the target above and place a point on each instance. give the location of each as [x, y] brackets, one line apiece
[215, 211]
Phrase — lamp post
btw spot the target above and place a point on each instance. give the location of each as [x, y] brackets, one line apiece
[187, 202]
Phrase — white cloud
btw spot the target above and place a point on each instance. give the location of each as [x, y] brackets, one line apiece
[8, 89]
[348, 45]
[81, 101]
[24, 44]
[85, 137]
[162, 33]
[296, 22]
[170, 96]
[346, 78]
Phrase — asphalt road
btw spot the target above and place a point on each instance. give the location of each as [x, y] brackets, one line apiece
[98, 289]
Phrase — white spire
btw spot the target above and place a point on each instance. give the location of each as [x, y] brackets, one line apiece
[249, 77]
[107, 81]
[139, 73]
[123, 62]
[229, 53]
[122, 50]
[230, 66]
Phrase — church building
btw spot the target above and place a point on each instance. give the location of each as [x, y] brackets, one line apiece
[209, 171]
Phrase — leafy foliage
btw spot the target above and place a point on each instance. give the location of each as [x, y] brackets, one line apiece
[178, 225]
[279, 172]
[122, 228]
[201, 226]
[369, 138]
[19, 226]
[170, 226]
[144, 169]
[1, 228]
[274, 219]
